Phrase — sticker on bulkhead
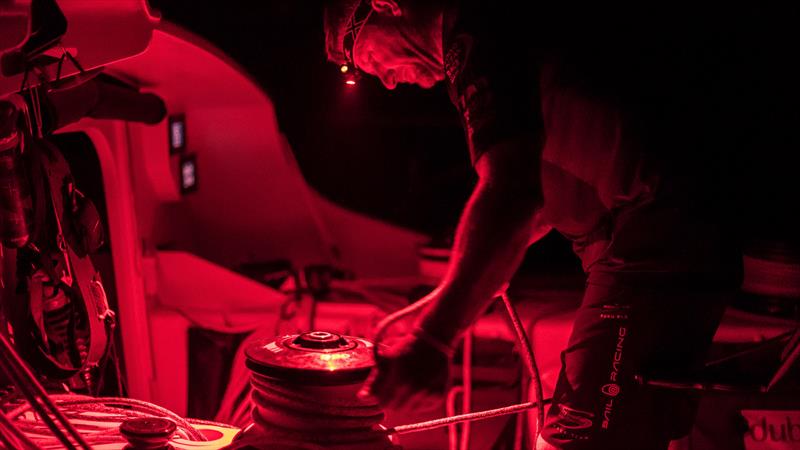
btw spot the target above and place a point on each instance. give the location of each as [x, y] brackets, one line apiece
[772, 430]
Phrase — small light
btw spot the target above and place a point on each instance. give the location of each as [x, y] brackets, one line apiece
[350, 82]
[343, 68]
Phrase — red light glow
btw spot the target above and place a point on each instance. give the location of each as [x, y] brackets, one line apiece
[350, 82]
[334, 361]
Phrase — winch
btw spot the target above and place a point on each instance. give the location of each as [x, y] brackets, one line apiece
[304, 394]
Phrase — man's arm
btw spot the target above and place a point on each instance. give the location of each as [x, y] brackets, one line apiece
[501, 219]
[498, 224]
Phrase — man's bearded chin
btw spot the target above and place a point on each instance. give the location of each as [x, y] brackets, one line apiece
[426, 79]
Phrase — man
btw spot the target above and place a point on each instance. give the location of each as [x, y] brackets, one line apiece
[614, 132]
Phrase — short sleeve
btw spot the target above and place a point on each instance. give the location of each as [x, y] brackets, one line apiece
[493, 83]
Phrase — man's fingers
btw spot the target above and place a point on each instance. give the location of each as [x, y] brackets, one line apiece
[407, 378]
[383, 386]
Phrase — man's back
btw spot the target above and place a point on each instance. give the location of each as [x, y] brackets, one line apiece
[632, 106]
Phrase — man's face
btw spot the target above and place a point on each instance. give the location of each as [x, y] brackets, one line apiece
[398, 56]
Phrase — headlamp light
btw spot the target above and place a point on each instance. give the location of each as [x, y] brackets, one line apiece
[355, 25]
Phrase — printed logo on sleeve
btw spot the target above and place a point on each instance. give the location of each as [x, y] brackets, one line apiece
[612, 389]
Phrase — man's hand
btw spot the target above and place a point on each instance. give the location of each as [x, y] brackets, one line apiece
[412, 373]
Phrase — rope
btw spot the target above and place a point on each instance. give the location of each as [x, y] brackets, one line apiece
[12, 436]
[480, 415]
[527, 356]
[30, 387]
[74, 405]
[466, 399]
[317, 414]
[530, 360]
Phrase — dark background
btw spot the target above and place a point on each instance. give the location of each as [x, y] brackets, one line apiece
[396, 155]
[400, 155]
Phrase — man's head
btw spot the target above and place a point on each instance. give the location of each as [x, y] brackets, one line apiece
[399, 41]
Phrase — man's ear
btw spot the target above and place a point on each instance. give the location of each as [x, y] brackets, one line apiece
[387, 7]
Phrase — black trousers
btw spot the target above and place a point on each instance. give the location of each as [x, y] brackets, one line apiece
[631, 323]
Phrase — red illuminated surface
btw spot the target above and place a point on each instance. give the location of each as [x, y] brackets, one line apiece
[335, 360]
[217, 298]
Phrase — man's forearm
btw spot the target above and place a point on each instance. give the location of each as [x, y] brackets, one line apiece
[493, 235]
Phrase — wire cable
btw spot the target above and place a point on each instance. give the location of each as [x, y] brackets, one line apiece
[25, 381]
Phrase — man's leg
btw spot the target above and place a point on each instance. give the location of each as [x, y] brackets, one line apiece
[627, 325]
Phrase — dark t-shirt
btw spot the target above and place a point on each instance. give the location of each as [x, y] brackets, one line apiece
[621, 112]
